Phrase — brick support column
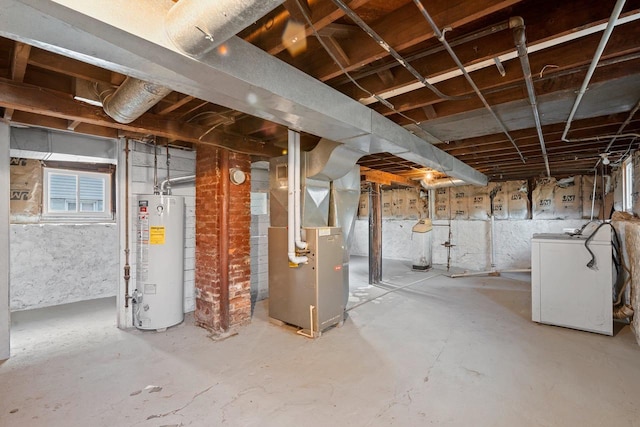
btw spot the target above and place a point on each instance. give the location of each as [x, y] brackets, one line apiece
[208, 208]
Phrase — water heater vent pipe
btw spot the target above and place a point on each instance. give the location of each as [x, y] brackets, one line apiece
[293, 209]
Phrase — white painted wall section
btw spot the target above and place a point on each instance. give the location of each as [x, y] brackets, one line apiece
[53, 264]
[4, 241]
[471, 239]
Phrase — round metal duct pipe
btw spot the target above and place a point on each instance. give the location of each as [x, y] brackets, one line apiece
[442, 183]
[197, 26]
[131, 100]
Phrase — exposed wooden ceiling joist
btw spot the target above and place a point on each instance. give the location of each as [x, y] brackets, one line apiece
[40, 84]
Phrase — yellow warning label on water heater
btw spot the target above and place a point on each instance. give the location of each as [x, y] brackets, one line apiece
[156, 235]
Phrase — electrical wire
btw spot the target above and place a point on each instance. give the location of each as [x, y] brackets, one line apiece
[383, 101]
[624, 155]
[384, 45]
[621, 310]
[441, 37]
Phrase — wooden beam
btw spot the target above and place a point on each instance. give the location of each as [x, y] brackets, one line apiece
[569, 57]
[406, 27]
[73, 124]
[32, 119]
[36, 100]
[430, 112]
[340, 31]
[386, 76]
[570, 16]
[168, 109]
[385, 178]
[336, 50]
[268, 36]
[19, 60]
[375, 233]
[294, 10]
[70, 67]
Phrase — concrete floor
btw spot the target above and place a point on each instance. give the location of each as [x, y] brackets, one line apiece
[459, 352]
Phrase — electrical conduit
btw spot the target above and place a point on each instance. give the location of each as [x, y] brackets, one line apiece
[594, 63]
[520, 38]
[440, 35]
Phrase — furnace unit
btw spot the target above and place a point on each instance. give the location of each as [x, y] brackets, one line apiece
[310, 296]
[313, 204]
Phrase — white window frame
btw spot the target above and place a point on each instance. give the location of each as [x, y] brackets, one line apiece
[47, 213]
[627, 184]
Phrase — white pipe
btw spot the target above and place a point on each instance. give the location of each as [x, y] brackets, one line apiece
[296, 193]
[291, 208]
[441, 37]
[594, 63]
[593, 195]
[493, 241]
[176, 180]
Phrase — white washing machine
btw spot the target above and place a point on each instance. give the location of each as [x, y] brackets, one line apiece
[564, 290]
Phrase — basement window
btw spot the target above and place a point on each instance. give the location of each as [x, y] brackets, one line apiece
[627, 184]
[71, 194]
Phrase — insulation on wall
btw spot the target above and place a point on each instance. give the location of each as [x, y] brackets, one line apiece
[460, 202]
[558, 199]
[479, 202]
[416, 206]
[387, 204]
[517, 199]
[442, 205]
[399, 206]
[568, 198]
[635, 191]
[500, 200]
[25, 189]
[363, 206]
[542, 199]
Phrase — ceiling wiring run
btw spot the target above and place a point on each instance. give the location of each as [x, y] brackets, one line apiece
[384, 45]
[441, 37]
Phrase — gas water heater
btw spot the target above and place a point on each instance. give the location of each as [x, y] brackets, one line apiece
[158, 300]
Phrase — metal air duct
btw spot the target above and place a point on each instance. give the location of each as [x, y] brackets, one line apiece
[331, 160]
[442, 183]
[195, 27]
[131, 100]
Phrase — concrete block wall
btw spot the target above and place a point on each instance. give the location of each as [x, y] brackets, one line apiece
[208, 202]
[182, 163]
[259, 231]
